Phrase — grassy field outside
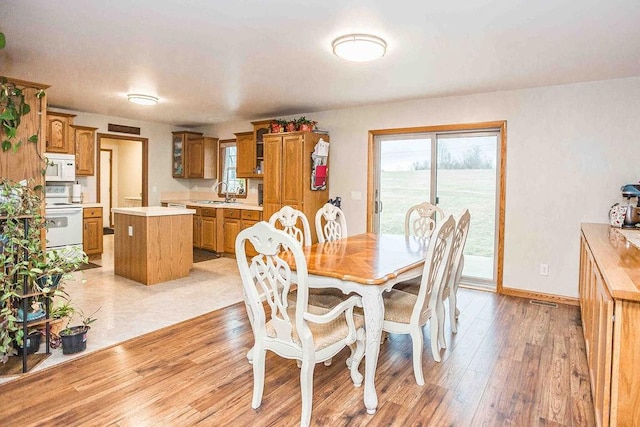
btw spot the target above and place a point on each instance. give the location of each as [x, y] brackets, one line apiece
[458, 189]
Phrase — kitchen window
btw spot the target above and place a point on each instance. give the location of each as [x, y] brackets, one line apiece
[228, 161]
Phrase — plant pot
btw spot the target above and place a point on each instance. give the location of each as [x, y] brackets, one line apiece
[291, 127]
[32, 343]
[306, 127]
[55, 280]
[74, 339]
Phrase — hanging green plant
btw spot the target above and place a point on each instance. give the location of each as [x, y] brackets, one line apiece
[3, 41]
[12, 108]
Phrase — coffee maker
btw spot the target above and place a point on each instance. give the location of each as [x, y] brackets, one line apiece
[632, 214]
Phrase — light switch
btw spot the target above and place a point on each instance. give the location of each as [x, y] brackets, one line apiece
[356, 195]
[130, 230]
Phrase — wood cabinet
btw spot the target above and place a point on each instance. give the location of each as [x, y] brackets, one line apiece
[250, 145]
[26, 162]
[178, 152]
[92, 231]
[609, 290]
[204, 228]
[59, 133]
[202, 157]
[287, 174]
[85, 148]
[249, 218]
[231, 229]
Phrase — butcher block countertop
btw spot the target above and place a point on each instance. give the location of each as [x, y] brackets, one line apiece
[618, 258]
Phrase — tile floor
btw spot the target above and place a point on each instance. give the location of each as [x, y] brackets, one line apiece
[128, 309]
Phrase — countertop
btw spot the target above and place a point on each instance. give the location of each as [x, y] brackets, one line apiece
[92, 205]
[219, 205]
[153, 211]
[617, 255]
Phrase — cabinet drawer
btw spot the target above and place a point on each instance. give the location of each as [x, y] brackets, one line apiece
[92, 212]
[252, 215]
[232, 213]
[195, 208]
[208, 212]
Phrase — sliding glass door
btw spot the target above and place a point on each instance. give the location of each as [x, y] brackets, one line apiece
[463, 175]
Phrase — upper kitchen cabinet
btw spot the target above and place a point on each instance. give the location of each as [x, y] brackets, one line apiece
[179, 152]
[246, 163]
[85, 147]
[59, 133]
[251, 150]
[202, 157]
[287, 174]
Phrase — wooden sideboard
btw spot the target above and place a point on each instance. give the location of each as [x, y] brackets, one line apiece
[610, 310]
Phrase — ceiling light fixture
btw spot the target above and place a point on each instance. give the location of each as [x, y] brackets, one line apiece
[359, 47]
[137, 98]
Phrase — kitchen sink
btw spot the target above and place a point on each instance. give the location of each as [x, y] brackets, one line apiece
[210, 202]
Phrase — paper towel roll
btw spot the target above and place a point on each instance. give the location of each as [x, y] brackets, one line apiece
[76, 193]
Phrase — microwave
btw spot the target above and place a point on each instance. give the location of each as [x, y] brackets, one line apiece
[60, 167]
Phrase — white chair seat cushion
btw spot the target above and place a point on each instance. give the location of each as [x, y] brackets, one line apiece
[325, 298]
[324, 334]
[411, 285]
[398, 306]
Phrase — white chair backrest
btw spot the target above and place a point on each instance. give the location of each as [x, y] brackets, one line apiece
[288, 218]
[433, 274]
[421, 219]
[267, 276]
[459, 240]
[335, 223]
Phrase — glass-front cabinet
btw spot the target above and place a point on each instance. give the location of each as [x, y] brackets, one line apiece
[178, 152]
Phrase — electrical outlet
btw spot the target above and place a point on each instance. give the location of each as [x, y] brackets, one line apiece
[544, 269]
[130, 230]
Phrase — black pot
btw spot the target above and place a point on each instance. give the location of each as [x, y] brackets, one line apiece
[74, 339]
[55, 280]
[32, 343]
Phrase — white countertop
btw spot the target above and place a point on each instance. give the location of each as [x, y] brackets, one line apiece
[153, 211]
[200, 204]
[92, 205]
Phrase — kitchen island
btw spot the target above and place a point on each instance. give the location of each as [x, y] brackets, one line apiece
[153, 244]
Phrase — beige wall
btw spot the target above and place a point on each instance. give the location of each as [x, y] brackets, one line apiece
[569, 149]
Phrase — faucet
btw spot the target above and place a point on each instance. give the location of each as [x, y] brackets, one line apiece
[227, 197]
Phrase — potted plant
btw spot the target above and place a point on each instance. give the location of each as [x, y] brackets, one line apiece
[291, 126]
[305, 125]
[61, 315]
[48, 268]
[278, 125]
[74, 338]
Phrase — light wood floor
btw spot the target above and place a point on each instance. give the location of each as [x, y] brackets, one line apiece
[511, 363]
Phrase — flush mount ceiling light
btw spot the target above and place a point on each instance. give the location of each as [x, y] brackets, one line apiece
[359, 47]
[137, 98]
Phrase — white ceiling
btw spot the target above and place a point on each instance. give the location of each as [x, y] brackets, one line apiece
[211, 60]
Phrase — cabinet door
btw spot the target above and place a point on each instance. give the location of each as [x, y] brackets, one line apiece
[292, 163]
[602, 350]
[85, 150]
[197, 231]
[177, 153]
[248, 247]
[246, 160]
[209, 233]
[59, 133]
[92, 236]
[231, 230]
[272, 174]
[195, 158]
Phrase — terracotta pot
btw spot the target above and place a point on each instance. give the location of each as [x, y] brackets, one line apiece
[275, 128]
[291, 127]
[306, 128]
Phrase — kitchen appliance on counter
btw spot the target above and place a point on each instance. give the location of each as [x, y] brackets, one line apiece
[60, 167]
[64, 219]
[632, 213]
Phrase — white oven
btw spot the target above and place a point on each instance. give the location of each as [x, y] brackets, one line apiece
[64, 219]
[60, 167]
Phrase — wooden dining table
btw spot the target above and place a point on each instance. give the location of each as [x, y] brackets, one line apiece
[368, 265]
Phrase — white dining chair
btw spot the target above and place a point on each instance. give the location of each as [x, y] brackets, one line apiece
[331, 223]
[407, 313]
[302, 332]
[454, 272]
[294, 223]
[420, 220]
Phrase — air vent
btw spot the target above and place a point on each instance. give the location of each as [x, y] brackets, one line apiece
[543, 303]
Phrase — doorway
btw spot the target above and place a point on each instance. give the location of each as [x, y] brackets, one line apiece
[454, 167]
[122, 172]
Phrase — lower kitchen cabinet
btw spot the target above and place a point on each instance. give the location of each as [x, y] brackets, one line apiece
[204, 228]
[610, 312]
[236, 220]
[92, 231]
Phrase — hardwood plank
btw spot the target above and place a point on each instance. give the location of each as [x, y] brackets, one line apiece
[196, 372]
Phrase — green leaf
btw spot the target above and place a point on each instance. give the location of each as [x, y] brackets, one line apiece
[7, 115]
[6, 145]
[17, 145]
[40, 93]
[25, 109]
[3, 41]
[33, 138]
